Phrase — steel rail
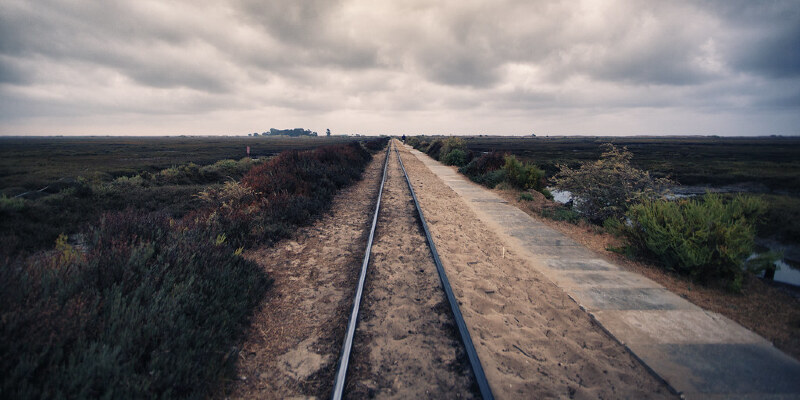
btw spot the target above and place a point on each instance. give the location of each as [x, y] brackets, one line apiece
[344, 359]
[472, 355]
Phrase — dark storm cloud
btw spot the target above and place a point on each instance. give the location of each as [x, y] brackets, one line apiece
[274, 58]
[763, 37]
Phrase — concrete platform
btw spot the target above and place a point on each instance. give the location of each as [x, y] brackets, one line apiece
[700, 354]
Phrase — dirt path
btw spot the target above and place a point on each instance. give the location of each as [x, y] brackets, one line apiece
[406, 346]
[295, 338]
[533, 340]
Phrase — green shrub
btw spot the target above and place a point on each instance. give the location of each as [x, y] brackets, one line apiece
[450, 144]
[607, 187]
[486, 170]
[522, 176]
[546, 193]
[434, 149]
[705, 238]
[455, 157]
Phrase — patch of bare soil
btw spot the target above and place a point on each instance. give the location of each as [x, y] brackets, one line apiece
[532, 339]
[406, 346]
[293, 345]
[769, 311]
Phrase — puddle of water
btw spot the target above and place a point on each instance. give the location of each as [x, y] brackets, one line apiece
[787, 274]
[560, 196]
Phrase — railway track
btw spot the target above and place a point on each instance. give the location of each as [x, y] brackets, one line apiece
[412, 340]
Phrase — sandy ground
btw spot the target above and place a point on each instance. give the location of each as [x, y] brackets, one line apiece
[407, 346]
[533, 341]
[294, 342]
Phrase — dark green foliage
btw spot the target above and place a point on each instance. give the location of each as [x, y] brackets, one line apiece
[455, 157]
[705, 238]
[296, 132]
[148, 311]
[152, 306]
[526, 196]
[434, 149]
[486, 170]
[522, 176]
[413, 141]
[376, 144]
[492, 168]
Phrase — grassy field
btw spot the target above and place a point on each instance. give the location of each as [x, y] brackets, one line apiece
[773, 162]
[82, 178]
[35, 162]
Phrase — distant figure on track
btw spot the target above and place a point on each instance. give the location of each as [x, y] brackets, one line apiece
[404, 139]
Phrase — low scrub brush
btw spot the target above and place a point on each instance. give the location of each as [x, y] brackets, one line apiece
[705, 238]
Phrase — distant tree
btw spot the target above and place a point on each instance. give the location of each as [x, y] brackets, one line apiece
[255, 133]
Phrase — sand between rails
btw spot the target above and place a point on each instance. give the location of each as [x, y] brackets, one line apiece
[406, 345]
[532, 339]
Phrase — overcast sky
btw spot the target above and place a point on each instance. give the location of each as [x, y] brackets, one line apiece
[363, 66]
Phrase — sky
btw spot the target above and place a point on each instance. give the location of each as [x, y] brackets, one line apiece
[196, 67]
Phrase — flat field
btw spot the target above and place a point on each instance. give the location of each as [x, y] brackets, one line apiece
[56, 185]
[766, 166]
[773, 162]
[34, 162]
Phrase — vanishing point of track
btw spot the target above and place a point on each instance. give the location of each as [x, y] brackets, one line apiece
[463, 333]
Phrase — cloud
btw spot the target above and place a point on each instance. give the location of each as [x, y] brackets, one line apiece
[486, 64]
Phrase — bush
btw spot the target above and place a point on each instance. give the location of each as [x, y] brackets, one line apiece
[148, 311]
[455, 157]
[486, 169]
[522, 176]
[607, 187]
[525, 196]
[450, 144]
[376, 144]
[705, 238]
[290, 189]
[434, 149]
